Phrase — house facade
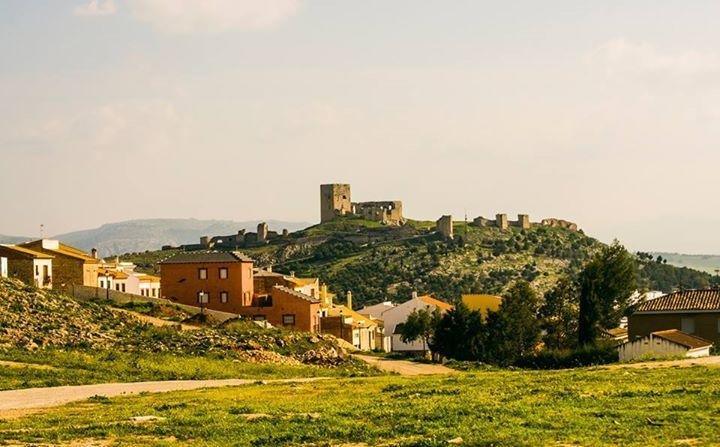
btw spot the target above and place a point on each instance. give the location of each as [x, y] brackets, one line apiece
[695, 312]
[395, 316]
[29, 266]
[218, 280]
[670, 343]
[70, 265]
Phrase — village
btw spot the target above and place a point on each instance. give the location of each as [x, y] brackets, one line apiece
[214, 277]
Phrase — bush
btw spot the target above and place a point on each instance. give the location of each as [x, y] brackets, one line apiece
[600, 354]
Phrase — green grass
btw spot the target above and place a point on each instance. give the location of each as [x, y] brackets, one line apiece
[574, 407]
[80, 367]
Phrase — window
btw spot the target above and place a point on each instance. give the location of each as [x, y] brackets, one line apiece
[687, 325]
[117, 287]
[259, 318]
[223, 272]
[122, 287]
[203, 297]
[289, 319]
[154, 292]
[37, 270]
[223, 297]
[202, 273]
[102, 284]
[265, 301]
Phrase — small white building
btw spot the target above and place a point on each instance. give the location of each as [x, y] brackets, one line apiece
[668, 343]
[3, 267]
[393, 316]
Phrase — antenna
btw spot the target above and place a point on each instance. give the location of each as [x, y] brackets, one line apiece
[42, 231]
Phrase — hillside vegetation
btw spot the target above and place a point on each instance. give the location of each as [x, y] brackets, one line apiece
[58, 340]
[378, 262]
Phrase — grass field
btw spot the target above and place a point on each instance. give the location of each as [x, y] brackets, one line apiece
[665, 406]
[51, 367]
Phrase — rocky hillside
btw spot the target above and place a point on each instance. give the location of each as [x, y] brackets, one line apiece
[32, 319]
[378, 262]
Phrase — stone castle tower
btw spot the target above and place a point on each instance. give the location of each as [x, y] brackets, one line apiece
[334, 201]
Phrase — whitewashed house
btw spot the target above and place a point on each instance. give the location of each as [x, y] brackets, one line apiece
[393, 316]
[3, 267]
[668, 343]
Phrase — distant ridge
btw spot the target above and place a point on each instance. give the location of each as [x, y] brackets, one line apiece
[151, 234]
[5, 239]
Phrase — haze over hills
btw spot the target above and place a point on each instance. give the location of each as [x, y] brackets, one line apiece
[704, 263]
[151, 234]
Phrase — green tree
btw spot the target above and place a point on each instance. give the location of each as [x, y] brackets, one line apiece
[420, 325]
[606, 283]
[459, 334]
[514, 330]
[559, 315]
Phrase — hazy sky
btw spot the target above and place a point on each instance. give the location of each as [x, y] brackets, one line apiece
[602, 112]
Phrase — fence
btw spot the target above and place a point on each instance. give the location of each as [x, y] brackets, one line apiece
[89, 293]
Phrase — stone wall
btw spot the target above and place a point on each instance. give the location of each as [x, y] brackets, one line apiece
[444, 226]
[334, 201]
[560, 223]
[388, 212]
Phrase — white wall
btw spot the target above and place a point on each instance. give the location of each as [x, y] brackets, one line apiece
[399, 314]
[39, 266]
[656, 346]
[3, 268]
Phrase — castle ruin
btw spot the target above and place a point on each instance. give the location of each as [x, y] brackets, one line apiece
[335, 201]
[444, 226]
[523, 221]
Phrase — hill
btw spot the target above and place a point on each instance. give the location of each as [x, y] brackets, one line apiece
[378, 262]
[67, 341]
[151, 234]
[704, 263]
[5, 239]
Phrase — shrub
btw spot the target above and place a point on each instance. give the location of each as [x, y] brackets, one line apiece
[589, 355]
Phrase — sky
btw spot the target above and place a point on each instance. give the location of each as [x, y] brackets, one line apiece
[605, 113]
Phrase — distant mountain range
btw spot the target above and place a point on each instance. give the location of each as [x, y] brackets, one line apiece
[151, 234]
[704, 263]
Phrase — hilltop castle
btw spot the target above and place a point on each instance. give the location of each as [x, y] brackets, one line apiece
[335, 201]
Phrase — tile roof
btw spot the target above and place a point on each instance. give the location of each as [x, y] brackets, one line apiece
[686, 300]
[191, 257]
[682, 339]
[148, 278]
[63, 249]
[359, 320]
[618, 332]
[114, 273]
[435, 302]
[297, 294]
[25, 252]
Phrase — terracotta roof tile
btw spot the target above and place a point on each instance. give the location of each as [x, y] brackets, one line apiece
[191, 257]
[686, 300]
[435, 302]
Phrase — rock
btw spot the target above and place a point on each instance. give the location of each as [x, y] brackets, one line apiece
[457, 440]
[146, 419]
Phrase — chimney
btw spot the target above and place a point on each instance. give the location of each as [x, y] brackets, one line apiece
[93, 252]
[269, 268]
[349, 300]
[414, 294]
[292, 273]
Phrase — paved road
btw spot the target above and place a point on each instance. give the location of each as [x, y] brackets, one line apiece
[406, 367]
[13, 400]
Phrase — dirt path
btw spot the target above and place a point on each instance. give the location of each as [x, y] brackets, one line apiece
[405, 367]
[681, 363]
[158, 321]
[12, 401]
